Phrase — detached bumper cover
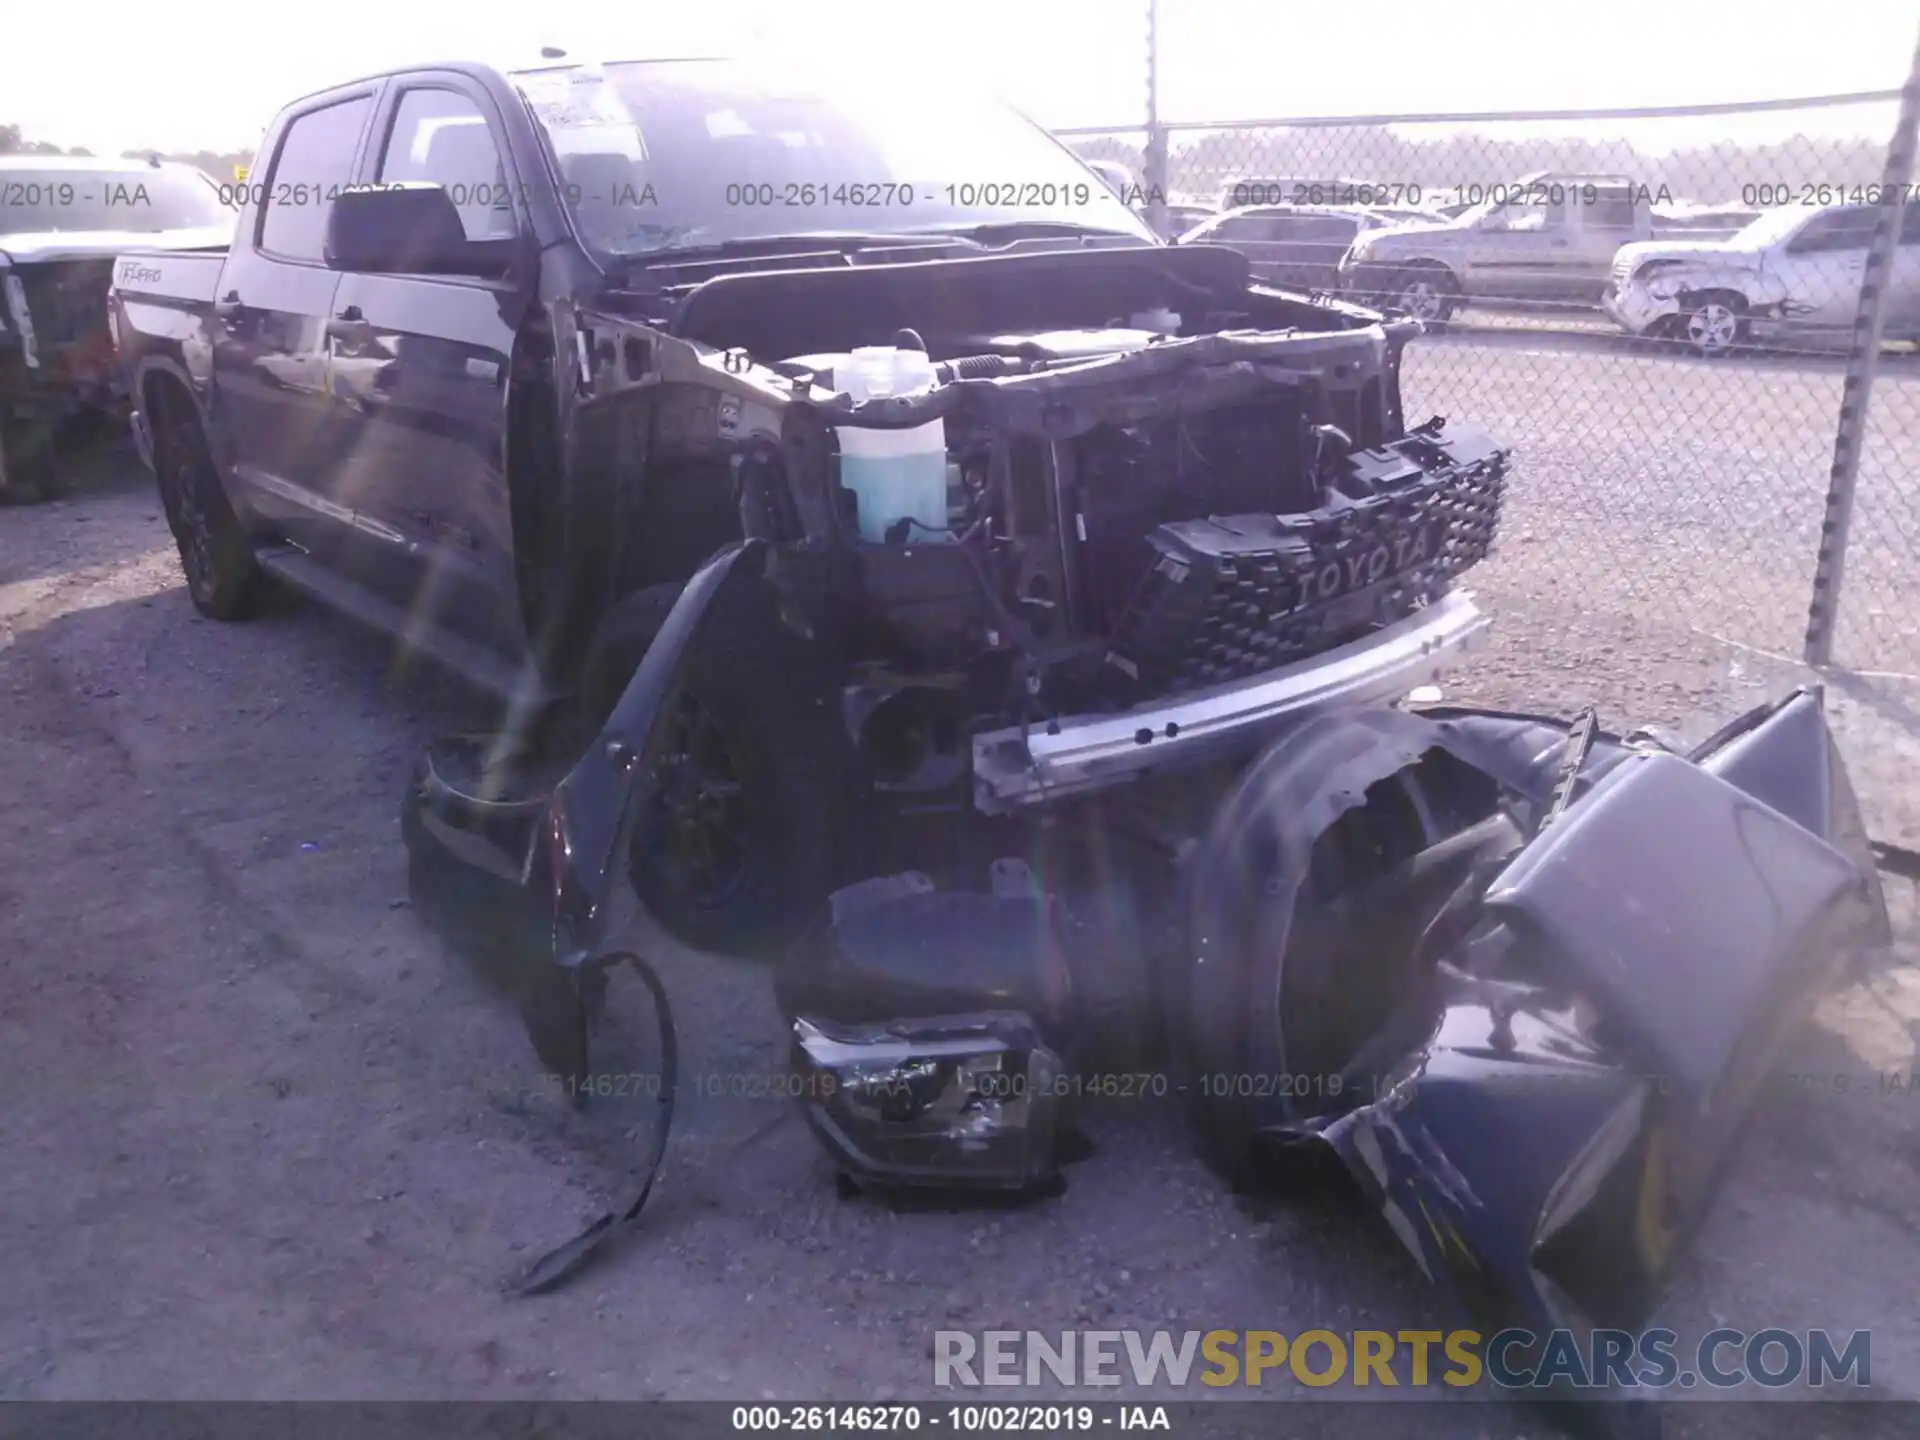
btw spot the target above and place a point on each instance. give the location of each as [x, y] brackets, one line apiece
[1551, 1122]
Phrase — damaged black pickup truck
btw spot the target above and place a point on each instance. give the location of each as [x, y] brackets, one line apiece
[496, 361]
[1016, 620]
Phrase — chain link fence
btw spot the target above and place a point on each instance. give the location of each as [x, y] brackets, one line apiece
[1661, 310]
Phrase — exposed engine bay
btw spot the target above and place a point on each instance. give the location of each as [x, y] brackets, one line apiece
[1161, 481]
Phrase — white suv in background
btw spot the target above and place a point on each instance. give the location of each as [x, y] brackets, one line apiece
[1792, 277]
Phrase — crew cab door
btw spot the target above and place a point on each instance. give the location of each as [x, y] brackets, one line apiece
[1507, 254]
[1823, 266]
[1598, 220]
[274, 414]
[420, 370]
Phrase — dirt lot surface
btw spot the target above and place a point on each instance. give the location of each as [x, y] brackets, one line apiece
[265, 1137]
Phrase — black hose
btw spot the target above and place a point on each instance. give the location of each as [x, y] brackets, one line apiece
[561, 1264]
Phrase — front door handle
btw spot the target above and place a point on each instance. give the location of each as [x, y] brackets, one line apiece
[349, 325]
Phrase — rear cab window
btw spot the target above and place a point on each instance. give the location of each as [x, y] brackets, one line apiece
[1606, 207]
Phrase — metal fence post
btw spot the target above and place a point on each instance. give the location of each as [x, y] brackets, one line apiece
[1156, 156]
[1863, 362]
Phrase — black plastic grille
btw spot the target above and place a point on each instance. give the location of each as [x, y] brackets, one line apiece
[1233, 596]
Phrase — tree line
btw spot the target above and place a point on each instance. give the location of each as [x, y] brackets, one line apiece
[216, 163]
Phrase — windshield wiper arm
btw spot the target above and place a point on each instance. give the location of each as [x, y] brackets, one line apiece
[1031, 230]
[795, 244]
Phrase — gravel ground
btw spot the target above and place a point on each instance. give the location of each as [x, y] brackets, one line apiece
[266, 1138]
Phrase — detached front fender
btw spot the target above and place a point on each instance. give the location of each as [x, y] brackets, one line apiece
[517, 870]
[1593, 1043]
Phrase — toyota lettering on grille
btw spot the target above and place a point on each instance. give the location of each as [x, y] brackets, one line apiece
[1365, 567]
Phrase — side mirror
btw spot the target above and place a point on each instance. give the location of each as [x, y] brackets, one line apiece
[412, 228]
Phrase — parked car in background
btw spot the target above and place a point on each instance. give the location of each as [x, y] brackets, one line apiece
[1704, 222]
[1791, 277]
[62, 220]
[1408, 214]
[1183, 214]
[1295, 246]
[1545, 238]
[1119, 178]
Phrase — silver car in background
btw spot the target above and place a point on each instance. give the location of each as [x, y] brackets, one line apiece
[1792, 277]
[1297, 247]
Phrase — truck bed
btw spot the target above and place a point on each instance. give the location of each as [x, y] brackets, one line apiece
[167, 277]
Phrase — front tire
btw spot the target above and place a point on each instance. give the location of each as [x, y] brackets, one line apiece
[1714, 324]
[223, 579]
[1427, 293]
[744, 836]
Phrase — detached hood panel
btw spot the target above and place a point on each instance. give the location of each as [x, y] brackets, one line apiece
[1716, 253]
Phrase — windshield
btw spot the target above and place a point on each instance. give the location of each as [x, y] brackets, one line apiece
[1772, 226]
[142, 199]
[658, 155]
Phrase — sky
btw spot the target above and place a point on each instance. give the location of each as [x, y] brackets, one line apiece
[111, 75]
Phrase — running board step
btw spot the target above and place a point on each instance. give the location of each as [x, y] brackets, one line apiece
[472, 662]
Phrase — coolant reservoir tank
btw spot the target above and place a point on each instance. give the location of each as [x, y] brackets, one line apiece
[894, 475]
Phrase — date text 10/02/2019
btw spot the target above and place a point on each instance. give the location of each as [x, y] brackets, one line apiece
[956, 1419]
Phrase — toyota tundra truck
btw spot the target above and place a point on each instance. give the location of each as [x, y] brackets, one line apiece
[499, 360]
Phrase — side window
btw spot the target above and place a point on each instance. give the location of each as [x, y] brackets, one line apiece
[1328, 231]
[1520, 217]
[1848, 229]
[1283, 230]
[441, 136]
[1248, 227]
[1610, 209]
[314, 162]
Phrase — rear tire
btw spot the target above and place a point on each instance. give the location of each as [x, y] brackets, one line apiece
[744, 838]
[224, 581]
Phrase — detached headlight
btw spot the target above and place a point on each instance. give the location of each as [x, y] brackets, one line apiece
[963, 1100]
